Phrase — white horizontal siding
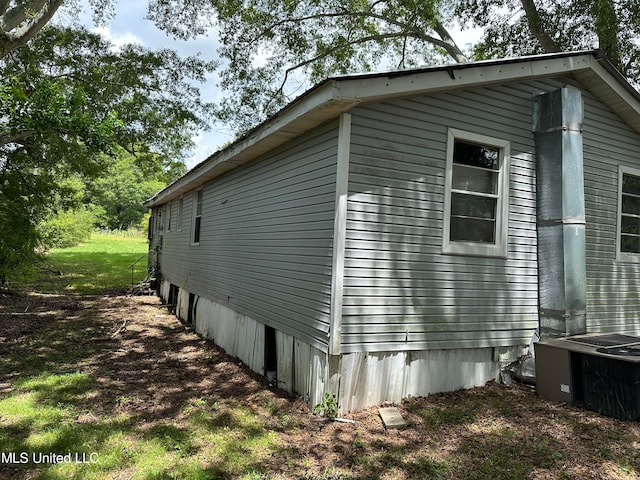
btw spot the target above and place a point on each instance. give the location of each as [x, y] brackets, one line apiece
[267, 229]
[401, 291]
[613, 288]
[266, 239]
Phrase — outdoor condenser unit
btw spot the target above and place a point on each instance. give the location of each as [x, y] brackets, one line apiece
[601, 370]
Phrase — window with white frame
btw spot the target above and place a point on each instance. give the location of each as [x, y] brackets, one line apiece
[476, 195]
[629, 214]
[197, 215]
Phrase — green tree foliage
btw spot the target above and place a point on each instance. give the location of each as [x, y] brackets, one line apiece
[67, 228]
[118, 195]
[113, 200]
[66, 221]
[18, 238]
[69, 94]
[266, 42]
[273, 48]
[68, 101]
[22, 20]
[525, 27]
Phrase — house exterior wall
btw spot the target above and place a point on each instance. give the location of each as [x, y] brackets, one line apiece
[412, 319]
[401, 291]
[613, 286]
[265, 247]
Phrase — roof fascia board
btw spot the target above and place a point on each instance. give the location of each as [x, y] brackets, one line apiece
[312, 107]
[338, 95]
[617, 83]
[462, 76]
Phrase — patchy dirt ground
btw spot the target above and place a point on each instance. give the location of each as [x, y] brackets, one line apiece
[146, 364]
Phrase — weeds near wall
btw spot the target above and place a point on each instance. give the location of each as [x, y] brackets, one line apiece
[328, 408]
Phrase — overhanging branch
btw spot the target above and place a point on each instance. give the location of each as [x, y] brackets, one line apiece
[445, 41]
[14, 17]
[329, 52]
[10, 40]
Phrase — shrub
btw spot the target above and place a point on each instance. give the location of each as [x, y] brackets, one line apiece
[67, 228]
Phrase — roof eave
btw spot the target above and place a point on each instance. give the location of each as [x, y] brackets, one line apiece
[335, 96]
[319, 105]
[465, 75]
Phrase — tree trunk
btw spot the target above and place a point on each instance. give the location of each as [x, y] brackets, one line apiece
[537, 27]
[606, 27]
[449, 44]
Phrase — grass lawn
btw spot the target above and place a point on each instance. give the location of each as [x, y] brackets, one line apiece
[96, 384]
[104, 262]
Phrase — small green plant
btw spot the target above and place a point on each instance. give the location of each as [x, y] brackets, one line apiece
[253, 476]
[328, 408]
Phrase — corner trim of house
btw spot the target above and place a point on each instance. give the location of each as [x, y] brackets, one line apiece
[339, 231]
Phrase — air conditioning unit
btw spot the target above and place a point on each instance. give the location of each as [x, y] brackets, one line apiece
[601, 370]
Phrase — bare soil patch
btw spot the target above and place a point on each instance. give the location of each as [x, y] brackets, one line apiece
[147, 365]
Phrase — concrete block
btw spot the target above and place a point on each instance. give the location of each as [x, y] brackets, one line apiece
[391, 418]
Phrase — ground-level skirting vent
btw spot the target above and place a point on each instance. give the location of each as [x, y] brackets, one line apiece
[172, 301]
[359, 380]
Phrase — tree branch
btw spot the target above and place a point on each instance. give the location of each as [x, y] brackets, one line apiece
[537, 28]
[9, 41]
[606, 27]
[445, 41]
[404, 54]
[20, 138]
[4, 5]
[285, 21]
[330, 51]
[6, 139]
[38, 195]
[448, 43]
[18, 14]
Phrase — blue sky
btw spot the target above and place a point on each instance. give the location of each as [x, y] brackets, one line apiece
[130, 26]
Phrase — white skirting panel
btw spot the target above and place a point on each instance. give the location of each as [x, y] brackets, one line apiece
[301, 368]
[164, 290]
[310, 372]
[284, 352]
[447, 370]
[373, 378]
[370, 378]
[239, 335]
[360, 379]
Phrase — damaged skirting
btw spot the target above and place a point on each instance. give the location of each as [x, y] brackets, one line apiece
[368, 379]
[359, 380]
[301, 369]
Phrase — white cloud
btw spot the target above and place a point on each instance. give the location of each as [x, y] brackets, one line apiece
[466, 37]
[118, 40]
